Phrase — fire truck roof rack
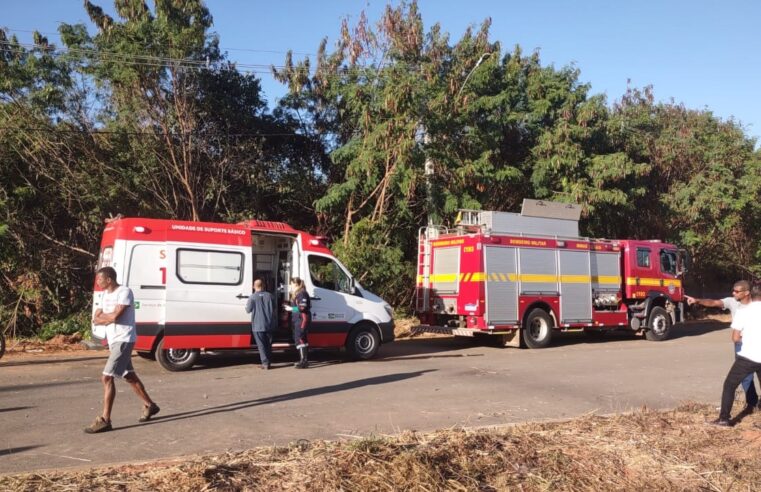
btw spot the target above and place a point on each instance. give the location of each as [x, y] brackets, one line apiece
[537, 218]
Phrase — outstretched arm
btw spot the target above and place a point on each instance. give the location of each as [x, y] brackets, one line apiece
[714, 303]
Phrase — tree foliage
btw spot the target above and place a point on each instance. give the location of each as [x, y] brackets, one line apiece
[146, 116]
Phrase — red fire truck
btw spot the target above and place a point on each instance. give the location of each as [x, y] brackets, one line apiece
[524, 276]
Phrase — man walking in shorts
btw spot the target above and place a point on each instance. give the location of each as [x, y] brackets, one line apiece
[117, 313]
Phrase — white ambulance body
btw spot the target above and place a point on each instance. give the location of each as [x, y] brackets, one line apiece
[191, 281]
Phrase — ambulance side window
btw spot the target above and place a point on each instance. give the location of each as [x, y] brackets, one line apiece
[196, 266]
[643, 257]
[326, 273]
[668, 262]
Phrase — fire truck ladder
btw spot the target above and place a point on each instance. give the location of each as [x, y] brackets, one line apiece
[425, 235]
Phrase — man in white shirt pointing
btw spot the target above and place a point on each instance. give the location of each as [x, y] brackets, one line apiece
[746, 328]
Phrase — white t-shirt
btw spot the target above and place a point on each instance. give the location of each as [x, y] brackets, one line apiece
[748, 322]
[123, 330]
[733, 305]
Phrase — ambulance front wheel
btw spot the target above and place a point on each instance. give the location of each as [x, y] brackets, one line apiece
[363, 342]
[537, 331]
[658, 325]
[175, 359]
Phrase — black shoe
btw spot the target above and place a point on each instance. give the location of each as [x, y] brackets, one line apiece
[748, 409]
[721, 423]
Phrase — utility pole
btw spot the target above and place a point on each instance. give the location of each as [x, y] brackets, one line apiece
[429, 165]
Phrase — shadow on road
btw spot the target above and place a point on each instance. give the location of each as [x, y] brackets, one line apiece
[19, 449]
[696, 328]
[23, 387]
[48, 361]
[231, 358]
[13, 409]
[322, 390]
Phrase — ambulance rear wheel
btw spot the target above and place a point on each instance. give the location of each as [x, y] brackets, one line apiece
[175, 359]
[363, 343]
[537, 330]
[658, 325]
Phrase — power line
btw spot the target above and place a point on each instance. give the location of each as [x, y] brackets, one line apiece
[222, 48]
[171, 62]
[134, 133]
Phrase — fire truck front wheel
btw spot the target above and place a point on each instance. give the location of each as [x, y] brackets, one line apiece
[175, 359]
[537, 330]
[658, 324]
[363, 342]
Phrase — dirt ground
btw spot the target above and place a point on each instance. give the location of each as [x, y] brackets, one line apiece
[643, 450]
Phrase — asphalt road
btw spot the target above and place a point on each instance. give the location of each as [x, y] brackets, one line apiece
[423, 384]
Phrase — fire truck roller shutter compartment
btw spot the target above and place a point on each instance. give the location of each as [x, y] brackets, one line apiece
[445, 278]
[501, 285]
[575, 286]
[606, 276]
[538, 272]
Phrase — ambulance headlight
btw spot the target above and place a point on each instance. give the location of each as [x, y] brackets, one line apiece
[389, 310]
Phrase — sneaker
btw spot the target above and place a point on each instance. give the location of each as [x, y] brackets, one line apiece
[748, 409]
[149, 412]
[265, 367]
[721, 423]
[99, 425]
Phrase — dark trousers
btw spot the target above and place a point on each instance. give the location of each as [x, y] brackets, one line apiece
[739, 370]
[264, 344]
[751, 397]
[299, 334]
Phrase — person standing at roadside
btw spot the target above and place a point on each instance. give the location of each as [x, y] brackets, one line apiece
[300, 308]
[117, 313]
[746, 327]
[741, 299]
[259, 304]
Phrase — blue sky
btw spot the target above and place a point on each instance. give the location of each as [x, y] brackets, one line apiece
[702, 53]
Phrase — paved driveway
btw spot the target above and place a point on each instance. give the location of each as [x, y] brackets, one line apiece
[424, 384]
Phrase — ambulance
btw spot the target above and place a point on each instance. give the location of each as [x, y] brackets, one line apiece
[191, 281]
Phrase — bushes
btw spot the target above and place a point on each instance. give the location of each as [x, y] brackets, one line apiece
[78, 322]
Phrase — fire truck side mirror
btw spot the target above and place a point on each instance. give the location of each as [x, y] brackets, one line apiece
[684, 263]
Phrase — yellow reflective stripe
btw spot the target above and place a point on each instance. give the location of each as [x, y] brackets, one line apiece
[537, 278]
[653, 282]
[606, 279]
[478, 277]
[575, 279]
[443, 277]
[503, 277]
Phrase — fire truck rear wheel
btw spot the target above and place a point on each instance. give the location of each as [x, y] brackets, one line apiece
[175, 359]
[658, 324]
[363, 342]
[537, 330]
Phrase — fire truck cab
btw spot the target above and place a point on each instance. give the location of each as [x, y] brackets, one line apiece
[191, 281]
[524, 276]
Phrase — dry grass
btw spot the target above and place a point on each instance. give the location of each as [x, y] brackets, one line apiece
[646, 450]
